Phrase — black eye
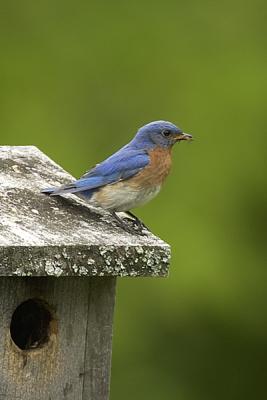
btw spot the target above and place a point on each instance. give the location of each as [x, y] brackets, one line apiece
[166, 132]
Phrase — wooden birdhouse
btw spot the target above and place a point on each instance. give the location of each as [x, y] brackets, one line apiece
[59, 261]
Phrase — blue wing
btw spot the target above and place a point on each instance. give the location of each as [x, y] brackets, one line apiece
[120, 166]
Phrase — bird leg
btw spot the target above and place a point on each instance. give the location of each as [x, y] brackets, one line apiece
[137, 221]
[138, 229]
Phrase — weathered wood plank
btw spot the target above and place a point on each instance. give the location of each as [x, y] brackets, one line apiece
[64, 367]
[42, 236]
[99, 339]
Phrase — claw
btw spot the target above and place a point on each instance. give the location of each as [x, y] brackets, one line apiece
[127, 227]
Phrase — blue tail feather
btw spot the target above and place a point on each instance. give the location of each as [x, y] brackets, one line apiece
[48, 190]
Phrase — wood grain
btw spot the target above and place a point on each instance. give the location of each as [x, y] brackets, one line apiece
[75, 363]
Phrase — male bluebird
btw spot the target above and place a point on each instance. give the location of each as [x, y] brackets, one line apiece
[133, 175]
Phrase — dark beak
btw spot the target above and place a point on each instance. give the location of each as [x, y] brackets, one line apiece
[183, 136]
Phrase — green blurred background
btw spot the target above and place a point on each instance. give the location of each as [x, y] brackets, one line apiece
[77, 79]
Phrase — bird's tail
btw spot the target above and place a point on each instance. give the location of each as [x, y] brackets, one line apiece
[49, 191]
[64, 189]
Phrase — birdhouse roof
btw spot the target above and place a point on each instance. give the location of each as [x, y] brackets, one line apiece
[63, 236]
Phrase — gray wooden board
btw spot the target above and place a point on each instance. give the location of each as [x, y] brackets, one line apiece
[57, 236]
[99, 338]
[75, 363]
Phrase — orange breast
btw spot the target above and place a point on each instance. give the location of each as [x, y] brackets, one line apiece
[156, 171]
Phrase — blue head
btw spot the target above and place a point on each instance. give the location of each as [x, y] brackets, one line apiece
[159, 133]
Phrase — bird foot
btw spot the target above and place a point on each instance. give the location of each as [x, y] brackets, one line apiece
[136, 220]
[131, 225]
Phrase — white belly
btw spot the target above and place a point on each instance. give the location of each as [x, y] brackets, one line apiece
[121, 197]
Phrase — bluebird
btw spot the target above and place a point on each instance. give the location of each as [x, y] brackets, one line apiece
[133, 175]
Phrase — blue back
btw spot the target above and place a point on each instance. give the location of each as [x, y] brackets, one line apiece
[123, 164]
